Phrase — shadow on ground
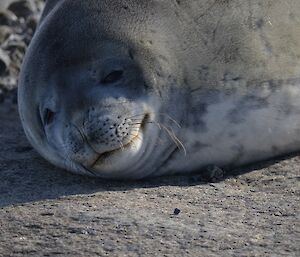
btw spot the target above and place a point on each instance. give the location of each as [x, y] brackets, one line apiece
[27, 177]
[46, 211]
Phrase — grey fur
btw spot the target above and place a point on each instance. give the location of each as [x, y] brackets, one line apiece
[219, 80]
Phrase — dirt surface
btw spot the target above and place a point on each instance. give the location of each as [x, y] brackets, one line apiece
[45, 211]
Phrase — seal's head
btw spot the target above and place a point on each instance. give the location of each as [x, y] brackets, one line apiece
[99, 88]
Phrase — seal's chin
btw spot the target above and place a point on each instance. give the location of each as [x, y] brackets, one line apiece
[133, 145]
[124, 157]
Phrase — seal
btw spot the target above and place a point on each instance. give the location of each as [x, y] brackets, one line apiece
[138, 88]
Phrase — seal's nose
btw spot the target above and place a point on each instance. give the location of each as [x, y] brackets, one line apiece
[105, 133]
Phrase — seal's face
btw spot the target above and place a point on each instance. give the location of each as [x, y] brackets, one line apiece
[95, 114]
[99, 102]
[106, 117]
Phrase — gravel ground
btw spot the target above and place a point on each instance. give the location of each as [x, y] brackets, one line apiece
[18, 21]
[45, 211]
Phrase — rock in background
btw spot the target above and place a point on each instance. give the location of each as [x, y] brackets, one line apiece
[18, 21]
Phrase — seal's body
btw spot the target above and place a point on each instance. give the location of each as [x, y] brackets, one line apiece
[129, 89]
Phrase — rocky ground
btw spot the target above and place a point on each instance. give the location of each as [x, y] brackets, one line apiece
[18, 21]
[45, 211]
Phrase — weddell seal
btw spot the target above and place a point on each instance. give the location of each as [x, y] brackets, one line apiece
[128, 89]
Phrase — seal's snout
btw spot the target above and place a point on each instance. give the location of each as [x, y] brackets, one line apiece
[106, 133]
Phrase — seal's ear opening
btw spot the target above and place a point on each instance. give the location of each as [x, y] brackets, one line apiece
[48, 117]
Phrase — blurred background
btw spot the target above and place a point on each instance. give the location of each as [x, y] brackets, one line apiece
[18, 21]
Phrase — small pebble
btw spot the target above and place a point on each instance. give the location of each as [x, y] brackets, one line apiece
[176, 211]
[21, 8]
[5, 32]
[8, 18]
[31, 23]
[4, 61]
[215, 173]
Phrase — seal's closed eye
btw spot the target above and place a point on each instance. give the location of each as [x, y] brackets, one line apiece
[112, 77]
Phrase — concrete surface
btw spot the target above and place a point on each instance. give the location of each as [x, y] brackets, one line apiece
[45, 211]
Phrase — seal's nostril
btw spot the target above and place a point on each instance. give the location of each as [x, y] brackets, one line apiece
[48, 116]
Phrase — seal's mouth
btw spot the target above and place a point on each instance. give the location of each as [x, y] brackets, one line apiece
[103, 156]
